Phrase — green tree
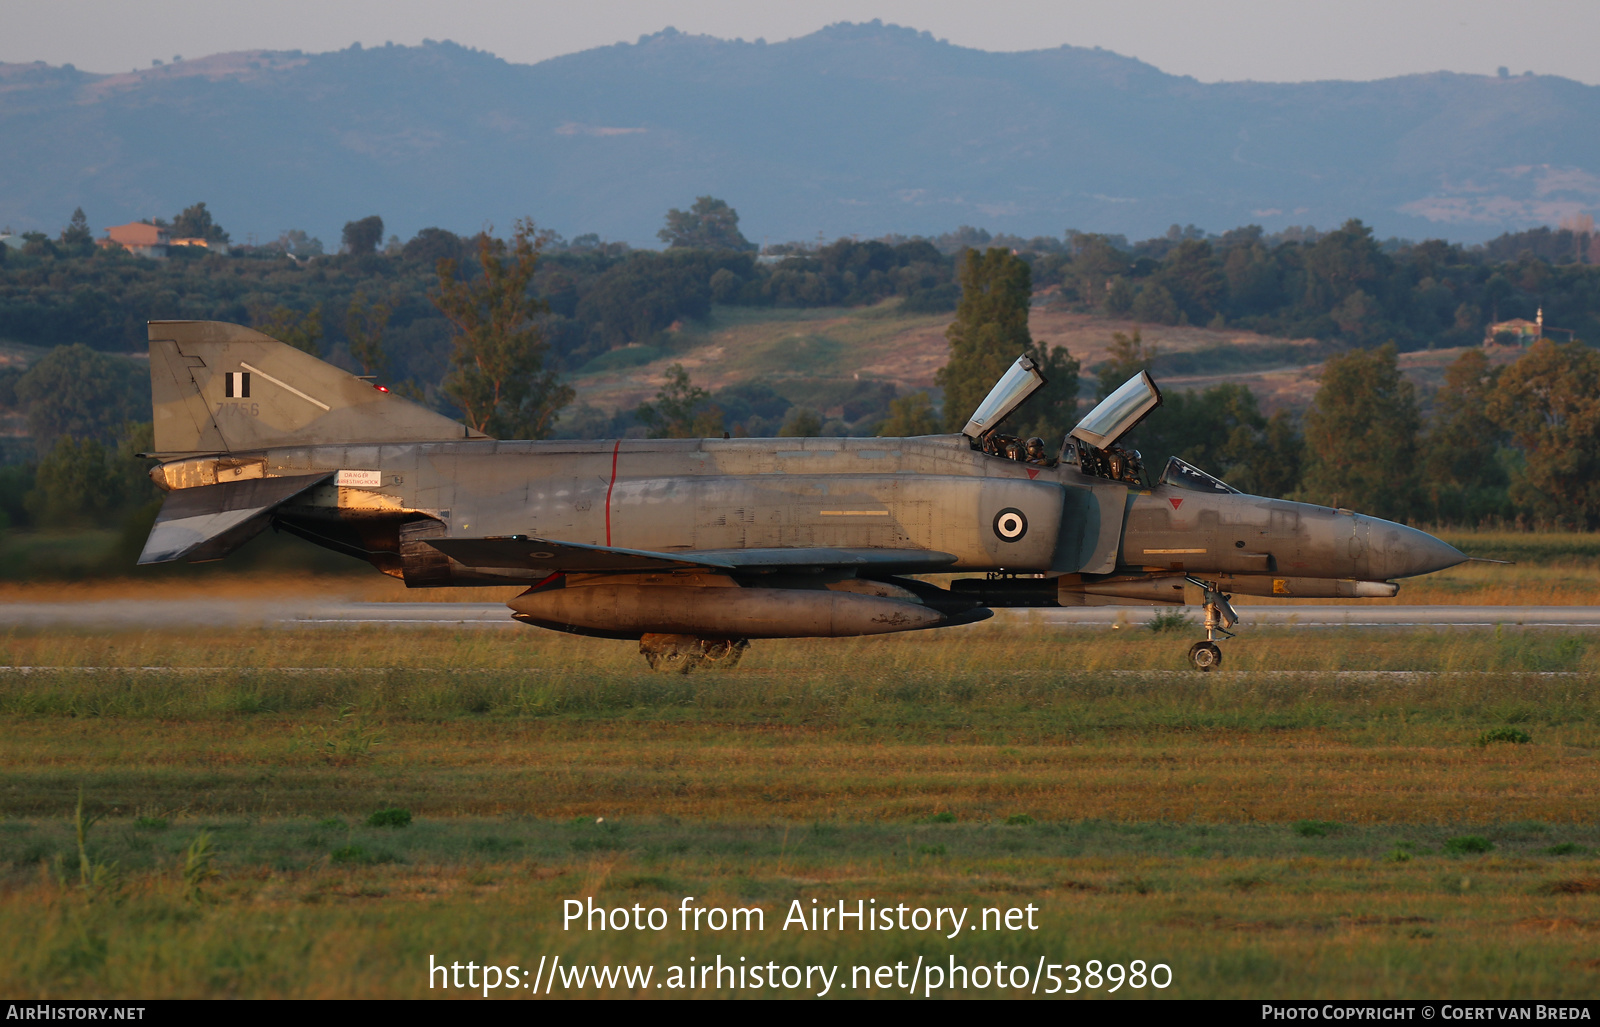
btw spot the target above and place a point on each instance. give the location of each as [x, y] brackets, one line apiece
[802, 423]
[1252, 277]
[1196, 285]
[1053, 410]
[195, 223]
[84, 482]
[79, 392]
[132, 472]
[1119, 297]
[1279, 464]
[303, 331]
[75, 485]
[708, 225]
[16, 482]
[1343, 262]
[725, 285]
[1361, 436]
[1128, 355]
[1463, 478]
[989, 333]
[76, 237]
[363, 327]
[910, 415]
[680, 410]
[497, 374]
[362, 237]
[1549, 401]
[1156, 304]
[1216, 430]
[1223, 431]
[1496, 290]
[1096, 266]
[297, 242]
[432, 245]
[37, 244]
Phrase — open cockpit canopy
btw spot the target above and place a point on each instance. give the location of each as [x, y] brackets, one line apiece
[1182, 474]
[1120, 412]
[1021, 380]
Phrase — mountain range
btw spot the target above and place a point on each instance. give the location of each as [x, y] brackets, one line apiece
[863, 129]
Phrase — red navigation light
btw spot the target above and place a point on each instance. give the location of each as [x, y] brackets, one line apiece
[381, 388]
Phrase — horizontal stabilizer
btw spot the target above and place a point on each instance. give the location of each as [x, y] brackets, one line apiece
[574, 557]
[211, 521]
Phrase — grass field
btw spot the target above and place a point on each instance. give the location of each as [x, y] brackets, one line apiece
[1305, 824]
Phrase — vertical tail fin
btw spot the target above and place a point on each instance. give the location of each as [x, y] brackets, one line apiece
[223, 388]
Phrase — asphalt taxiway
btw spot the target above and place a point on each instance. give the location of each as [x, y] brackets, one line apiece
[199, 614]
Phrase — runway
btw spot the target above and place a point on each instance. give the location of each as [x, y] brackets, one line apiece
[112, 615]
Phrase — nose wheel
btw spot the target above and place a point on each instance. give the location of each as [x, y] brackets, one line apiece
[1207, 656]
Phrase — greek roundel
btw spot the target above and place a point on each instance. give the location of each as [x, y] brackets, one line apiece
[1010, 524]
[236, 385]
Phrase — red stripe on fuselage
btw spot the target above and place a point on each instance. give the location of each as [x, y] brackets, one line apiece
[611, 486]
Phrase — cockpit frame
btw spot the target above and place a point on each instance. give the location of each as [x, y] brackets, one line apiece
[1181, 474]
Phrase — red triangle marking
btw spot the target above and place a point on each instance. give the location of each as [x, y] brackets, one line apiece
[1175, 503]
[1032, 474]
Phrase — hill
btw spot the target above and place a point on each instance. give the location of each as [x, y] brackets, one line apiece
[822, 357]
[864, 129]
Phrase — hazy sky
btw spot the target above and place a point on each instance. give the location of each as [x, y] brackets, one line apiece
[1268, 40]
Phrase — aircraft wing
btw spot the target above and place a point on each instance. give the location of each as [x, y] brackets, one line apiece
[575, 557]
[210, 521]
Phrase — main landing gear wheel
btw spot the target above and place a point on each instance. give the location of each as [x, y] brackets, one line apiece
[672, 661]
[683, 653]
[723, 652]
[1205, 656]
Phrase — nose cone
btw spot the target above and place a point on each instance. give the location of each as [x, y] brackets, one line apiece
[1402, 552]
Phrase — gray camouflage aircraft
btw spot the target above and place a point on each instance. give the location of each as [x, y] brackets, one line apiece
[695, 546]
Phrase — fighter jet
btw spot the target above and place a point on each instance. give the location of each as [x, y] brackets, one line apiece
[693, 547]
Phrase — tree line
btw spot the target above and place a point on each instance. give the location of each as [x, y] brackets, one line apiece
[1513, 442]
[1343, 285]
[595, 296]
[485, 327]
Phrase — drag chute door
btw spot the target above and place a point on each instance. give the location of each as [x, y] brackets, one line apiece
[1019, 382]
[1118, 414]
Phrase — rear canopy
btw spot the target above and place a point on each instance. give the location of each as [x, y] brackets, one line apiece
[1120, 412]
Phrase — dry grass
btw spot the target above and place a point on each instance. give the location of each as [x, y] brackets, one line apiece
[1075, 725]
[1147, 812]
[735, 772]
[1235, 912]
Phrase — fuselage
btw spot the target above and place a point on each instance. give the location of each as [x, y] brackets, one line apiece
[932, 493]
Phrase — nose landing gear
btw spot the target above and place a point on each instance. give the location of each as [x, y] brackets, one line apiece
[1220, 616]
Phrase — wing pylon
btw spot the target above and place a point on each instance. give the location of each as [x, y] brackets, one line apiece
[575, 557]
